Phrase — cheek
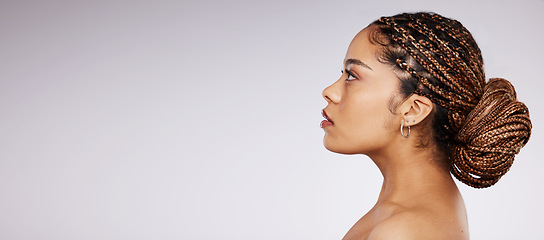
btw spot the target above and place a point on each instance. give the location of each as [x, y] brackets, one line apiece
[368, 112]
[366, 124]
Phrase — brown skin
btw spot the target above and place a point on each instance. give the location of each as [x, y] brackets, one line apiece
[419, 199]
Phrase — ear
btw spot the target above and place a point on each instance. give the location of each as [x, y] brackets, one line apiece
[415, 109]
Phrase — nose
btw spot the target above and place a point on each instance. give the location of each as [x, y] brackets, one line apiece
[332, 93]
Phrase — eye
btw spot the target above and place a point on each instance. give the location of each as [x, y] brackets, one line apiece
[350, 76]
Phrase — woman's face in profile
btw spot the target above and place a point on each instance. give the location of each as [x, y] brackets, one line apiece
[359, 102]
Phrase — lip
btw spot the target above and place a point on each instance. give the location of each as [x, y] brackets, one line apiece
[328, 121]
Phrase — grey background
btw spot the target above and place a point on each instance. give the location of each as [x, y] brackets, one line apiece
[200, 120]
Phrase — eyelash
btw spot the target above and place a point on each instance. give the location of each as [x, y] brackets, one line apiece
[349, 75]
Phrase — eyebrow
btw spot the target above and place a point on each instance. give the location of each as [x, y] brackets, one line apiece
[357, 62]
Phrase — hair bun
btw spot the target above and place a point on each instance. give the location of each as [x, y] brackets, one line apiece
[494, 131]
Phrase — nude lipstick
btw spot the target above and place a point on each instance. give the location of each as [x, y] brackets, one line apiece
[327, 122]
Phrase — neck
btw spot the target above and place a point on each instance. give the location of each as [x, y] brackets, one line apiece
[411, 175]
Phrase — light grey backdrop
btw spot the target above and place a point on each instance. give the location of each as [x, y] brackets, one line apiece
[200, 119]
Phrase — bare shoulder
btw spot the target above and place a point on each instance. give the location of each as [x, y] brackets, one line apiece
[417, 224]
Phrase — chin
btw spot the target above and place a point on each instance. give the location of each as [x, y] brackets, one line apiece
[340, 149]
[347, 147]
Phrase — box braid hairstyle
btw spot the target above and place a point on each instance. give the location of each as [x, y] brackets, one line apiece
[481, 126]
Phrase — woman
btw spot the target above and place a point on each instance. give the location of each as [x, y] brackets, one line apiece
[413, 97]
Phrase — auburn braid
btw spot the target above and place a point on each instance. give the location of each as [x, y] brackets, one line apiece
[481, 125]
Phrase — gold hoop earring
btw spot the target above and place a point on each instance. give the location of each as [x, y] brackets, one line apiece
[401, 133]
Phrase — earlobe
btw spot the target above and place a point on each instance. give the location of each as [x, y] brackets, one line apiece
[417, 109]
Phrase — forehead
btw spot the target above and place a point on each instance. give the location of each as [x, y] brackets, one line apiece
[361, 48]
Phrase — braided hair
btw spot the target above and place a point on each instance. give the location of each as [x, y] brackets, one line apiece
[481, 126]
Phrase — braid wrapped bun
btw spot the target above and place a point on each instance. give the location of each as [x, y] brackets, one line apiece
[482, 126]
[494, 131]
